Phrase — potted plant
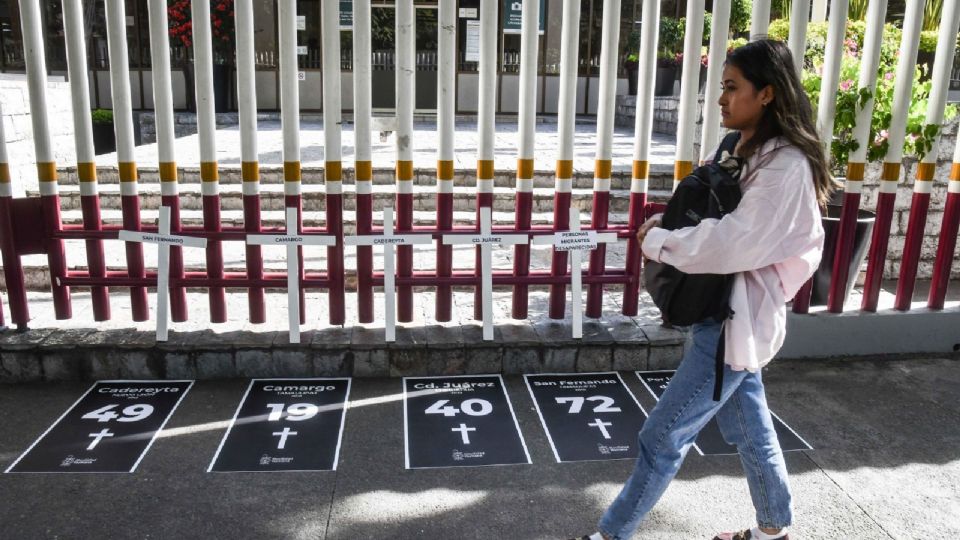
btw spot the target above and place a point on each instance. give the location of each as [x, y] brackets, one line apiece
[671, 36]
[222, 38]
[631, 62]
[104, 141]
[667, 64]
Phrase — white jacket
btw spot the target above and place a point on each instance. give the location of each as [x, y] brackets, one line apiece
[773, 241]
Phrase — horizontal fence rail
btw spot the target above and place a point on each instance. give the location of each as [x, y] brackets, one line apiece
[33, 225]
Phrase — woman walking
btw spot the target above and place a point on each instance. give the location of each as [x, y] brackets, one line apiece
[772, 242]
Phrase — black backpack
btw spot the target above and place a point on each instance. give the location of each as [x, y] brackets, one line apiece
[710, 191]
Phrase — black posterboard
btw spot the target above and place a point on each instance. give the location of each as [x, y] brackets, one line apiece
[285, 425]
[460, 421]
[108, 430]
[587, 416]
[710, 441]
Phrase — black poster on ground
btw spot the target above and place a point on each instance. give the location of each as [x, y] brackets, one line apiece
[285, 425]
[460, 421]
[109, 429]
[587, 416]
[710, 442]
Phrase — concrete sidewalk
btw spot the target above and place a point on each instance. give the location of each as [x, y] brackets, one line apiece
[886, 465]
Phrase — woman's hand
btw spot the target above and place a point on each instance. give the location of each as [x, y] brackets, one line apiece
[654, 221]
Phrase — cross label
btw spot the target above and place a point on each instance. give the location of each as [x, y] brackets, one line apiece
[283, 437]
[292, 241]
[602, 426]
[388, 240]
[163, 240]
[576, 242]
[98, 436]
[486, 239]
[464, 432]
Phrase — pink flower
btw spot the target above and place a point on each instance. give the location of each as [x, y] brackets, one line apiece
[888, 76]
[845, 85]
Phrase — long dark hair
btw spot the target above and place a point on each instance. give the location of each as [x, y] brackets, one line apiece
[768, 62]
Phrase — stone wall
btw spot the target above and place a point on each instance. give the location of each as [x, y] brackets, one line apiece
[901, 217]
[18, 129]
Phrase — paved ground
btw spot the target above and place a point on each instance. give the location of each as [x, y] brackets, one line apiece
[885, 465]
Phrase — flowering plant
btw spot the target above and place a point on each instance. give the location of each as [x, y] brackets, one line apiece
[221, 25]
[851, 100]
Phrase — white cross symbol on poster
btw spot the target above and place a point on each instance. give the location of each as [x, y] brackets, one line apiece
[576, 242]
[485, 240]
[164, 240]
[292, 241]
[389, 240]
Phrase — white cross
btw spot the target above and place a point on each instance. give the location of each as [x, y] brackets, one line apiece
[283, 437]
[292, 240]
[600, 424]
[576, 242]
[389, 240]
[485, 239]
[97, 436]
[464, 432]
[164, 240]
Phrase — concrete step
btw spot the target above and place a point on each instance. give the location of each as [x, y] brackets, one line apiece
[661, 177]
[272, 197]
[81, 349]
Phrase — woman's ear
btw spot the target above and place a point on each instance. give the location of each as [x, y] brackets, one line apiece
[766, 95]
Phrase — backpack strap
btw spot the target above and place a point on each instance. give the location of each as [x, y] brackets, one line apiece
[728, 144]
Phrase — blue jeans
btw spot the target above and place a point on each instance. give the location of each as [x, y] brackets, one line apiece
[686, 406]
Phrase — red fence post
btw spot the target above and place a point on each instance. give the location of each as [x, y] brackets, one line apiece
[636, 215]
[523, 221]
[877, 257]
[445, 175]
[256, 299]
[845, 237]
[561, 222]
[947, 242]
[364, 174]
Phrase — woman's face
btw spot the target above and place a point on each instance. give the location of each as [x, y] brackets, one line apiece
[741, 104]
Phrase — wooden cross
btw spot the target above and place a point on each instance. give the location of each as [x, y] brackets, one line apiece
[389, 241]
[485, 240]
[163, 239]
[576, 241]
[292, 240]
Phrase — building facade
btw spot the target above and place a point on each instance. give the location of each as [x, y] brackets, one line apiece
[309, 40]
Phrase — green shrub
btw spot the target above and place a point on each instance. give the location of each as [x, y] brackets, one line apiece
[102, 116]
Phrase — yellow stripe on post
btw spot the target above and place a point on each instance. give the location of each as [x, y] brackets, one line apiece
[925, 171]
[525, 169]
[485, 169]
[333, 171]
[87, 171]
[890, 172]
[128, 171]
[603, 168]
[364, 170]
[404, 170]
[856, 171]
[445, 169]
[291, 171]
[641, 169]
[955, 172]
[250, 171]
[168, 171]
[681, 169]
[4, 173]
[564, 168]
[208, 171]
[47, 171]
